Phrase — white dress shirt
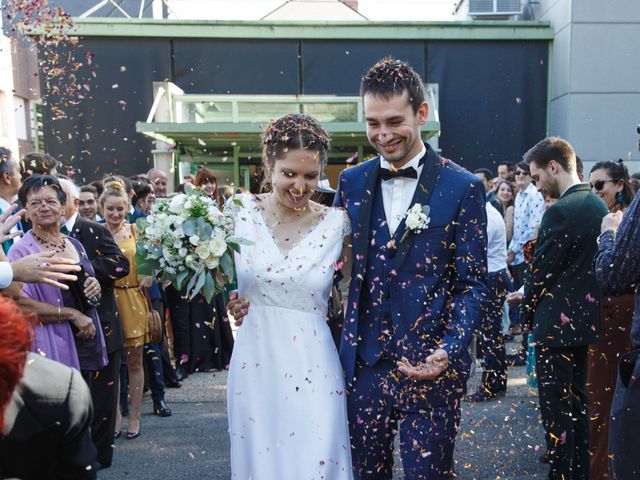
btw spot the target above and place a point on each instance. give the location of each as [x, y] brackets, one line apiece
[6, 274]
[398, 192]
[496, 240]
[71, 222]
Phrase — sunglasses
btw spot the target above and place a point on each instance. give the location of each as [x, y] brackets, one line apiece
[521, 172]
[599, 184]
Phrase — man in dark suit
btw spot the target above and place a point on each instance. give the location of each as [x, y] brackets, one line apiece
[109, 264]
[418, 285]
[562, 303]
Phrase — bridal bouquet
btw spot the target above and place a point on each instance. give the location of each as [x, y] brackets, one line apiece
[188, 241]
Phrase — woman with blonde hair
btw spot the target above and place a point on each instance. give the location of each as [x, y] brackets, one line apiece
[132, 304]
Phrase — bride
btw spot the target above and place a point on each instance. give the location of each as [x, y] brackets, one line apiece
[286, 392]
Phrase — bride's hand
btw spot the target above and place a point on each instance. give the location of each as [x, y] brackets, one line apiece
[237, 307]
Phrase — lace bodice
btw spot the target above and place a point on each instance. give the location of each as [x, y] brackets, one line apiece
[298, 279]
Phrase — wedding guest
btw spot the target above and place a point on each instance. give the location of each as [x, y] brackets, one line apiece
[88, 206]
[635, 181]
[10, 181]
[44, 200]
[45, 409]
[36, 268]
[156, 356]
[506, 195]
[132, 304]
[160, 182]
[506, 171]
[617, 267]
[562, 304]
[527, 213]
[494, 376]
[610, 181]
[109, 264]
[207, 182]
[143, 198]
[37, 163]
[486, 176]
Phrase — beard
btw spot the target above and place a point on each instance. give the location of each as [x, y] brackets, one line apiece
[552, 189]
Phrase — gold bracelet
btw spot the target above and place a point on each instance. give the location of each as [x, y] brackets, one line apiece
[59, 313]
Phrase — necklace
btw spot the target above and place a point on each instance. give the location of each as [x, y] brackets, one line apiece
[300, 213]
[50, 244]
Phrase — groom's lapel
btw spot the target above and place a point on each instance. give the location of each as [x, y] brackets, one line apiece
[422, 195]
[361, 241]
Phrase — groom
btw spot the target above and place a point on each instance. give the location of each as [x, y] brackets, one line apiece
[417, 285]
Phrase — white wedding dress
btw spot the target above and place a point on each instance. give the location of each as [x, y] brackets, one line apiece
[285, 391]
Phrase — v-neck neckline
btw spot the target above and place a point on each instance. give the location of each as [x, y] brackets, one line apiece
[287, 253]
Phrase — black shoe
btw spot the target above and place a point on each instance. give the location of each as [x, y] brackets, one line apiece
[482, 395]
[161, 409]
[181, 373]
[132, 435]
[173, 383]
[517, 360]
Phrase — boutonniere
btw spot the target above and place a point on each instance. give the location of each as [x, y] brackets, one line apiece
[416, 220]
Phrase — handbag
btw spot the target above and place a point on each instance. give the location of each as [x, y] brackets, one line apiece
[154, 321]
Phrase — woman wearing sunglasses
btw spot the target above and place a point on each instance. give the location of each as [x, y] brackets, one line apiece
[610, 181]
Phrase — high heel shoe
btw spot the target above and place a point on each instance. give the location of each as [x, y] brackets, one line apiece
[132, 435]
[117, 434]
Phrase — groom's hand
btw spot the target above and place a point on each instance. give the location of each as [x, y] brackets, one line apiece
[237, 307]
[435, 364]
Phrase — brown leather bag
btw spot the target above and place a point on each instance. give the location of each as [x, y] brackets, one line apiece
[154, 321]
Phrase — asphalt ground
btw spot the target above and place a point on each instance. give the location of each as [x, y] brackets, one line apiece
[499, 439]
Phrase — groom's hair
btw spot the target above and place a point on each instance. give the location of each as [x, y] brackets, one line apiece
[389, 77]
[552, 148]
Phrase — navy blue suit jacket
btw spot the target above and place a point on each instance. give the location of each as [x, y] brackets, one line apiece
[438, 276]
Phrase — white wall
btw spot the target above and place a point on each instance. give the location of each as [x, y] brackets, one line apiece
[7, 120]
[595, 77]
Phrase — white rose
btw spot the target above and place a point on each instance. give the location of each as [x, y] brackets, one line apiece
[202, 250]
[188, 204]
[176, 205]
[182, 252]
[194, 240]
[217, 245]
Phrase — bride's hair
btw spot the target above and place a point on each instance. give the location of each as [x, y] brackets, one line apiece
[294, 131]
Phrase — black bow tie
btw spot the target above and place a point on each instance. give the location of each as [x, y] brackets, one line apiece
[408, 172]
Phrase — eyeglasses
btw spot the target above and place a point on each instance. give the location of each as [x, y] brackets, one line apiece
[49, 202]
[599, 184]
[521, 172]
